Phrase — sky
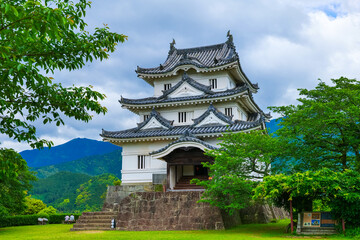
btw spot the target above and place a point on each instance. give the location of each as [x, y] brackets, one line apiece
[283, 45]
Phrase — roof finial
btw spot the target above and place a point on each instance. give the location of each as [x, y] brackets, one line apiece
[230, 39]
[172, 47]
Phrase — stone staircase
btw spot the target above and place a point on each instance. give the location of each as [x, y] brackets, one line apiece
[94, 221]
[318, 231]
[184, 183]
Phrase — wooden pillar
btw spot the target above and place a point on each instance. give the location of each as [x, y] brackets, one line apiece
[343, 226]
[291, 217]
[168, 176]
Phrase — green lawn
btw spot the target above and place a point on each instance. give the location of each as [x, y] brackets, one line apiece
[246, 232]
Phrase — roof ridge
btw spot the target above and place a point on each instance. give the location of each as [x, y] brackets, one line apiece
[158, 117]
[212, 109]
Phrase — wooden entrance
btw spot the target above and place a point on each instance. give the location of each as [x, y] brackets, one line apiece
[184, 164]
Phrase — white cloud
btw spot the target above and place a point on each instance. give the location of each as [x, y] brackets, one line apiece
[283, 45]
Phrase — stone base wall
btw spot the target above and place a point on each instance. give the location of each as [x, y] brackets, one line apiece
[167, 211]
[115, 194]
[139, 207]
[262, 214]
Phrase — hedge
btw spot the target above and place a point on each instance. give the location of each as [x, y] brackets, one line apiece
[21, 220]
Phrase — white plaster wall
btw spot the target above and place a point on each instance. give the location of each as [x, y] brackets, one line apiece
[130, 172]
[224, 81]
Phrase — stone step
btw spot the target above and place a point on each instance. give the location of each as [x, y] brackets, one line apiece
[91, 229]
[97, 217]
[318, 231]
[105, 213]
[93, 220]
[82, 225]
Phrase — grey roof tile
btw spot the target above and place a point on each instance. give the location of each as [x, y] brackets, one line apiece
[217, 113]
[164, 99]
[166, 123]
[202, 57]
[187, 137]
[180, 130]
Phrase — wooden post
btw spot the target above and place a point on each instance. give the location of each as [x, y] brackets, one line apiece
[291, 217]
[343, 226]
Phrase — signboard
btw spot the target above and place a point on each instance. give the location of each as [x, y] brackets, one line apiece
[307, 219]
[317, 219]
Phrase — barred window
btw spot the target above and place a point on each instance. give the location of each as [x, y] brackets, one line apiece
[146, 116]
[228, 112]
[182, 117]
[167, 86]
[213, 83]
[141, 161]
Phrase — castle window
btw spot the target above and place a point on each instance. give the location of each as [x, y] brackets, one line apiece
[146, 117]
[228, 112]
[182, 117]
[167, 86]
[213, 83]
[141, 161]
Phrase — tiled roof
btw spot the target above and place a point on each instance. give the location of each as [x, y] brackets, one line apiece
[217, 113]
[166, 123]
[164, 99]
[191, 82]
[180, 130]
[187, 137]
[202, 57]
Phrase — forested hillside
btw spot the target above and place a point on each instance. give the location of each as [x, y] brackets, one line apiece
[73, 192]
[91, 165]
[70, 151]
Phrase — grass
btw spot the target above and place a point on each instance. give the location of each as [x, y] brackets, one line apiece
[272, 231]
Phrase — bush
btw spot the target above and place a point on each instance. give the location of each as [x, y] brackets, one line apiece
[117, 182]
[59, 218]
[21, 220]
[48, 211]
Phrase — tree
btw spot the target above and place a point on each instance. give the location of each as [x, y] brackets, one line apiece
[33, 205]
[241, 158]
[324, 129]
[338, 190]
[15, 180]
[38, 37]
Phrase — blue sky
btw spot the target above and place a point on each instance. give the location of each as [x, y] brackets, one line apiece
[283, 45]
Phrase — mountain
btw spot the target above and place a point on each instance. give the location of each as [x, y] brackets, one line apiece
[91, 165]
[273, 125]
[73, 192]
[67, 152]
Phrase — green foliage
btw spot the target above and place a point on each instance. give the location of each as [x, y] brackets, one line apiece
[33, 205]
[22, 220]
[15, 180]
[59, 218]
[91, 194]
[58, 187]
[340, 191]
[19, 220]
[92, 165]
[323, 130]
[50, 35]
[241, 158]
[73, 192]
[47, 211]
[117, 182]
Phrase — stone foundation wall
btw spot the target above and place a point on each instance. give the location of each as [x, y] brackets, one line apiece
[262, 214]
[167, 211]
[115, 194]
[139, 207]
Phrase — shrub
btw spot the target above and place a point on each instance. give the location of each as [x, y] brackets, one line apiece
[59, 218]
[21, 220]
[48, 211]
[117, 182]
